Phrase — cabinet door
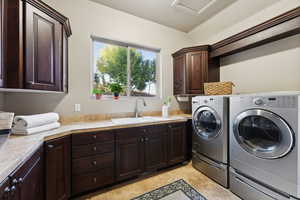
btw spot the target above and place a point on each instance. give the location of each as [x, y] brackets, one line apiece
[1, 42]
[28, 180]
[5, 189]
[43, 36]
[156, 141]
[179, 74]
[177, 143]
[58, 168]
[130, 153]
[197, 71]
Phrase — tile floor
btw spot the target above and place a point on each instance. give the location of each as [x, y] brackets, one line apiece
[127, 191]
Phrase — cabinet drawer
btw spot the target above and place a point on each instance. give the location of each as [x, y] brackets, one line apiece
[93, 163]
[92, 149]
[92, 138]
[82, 183]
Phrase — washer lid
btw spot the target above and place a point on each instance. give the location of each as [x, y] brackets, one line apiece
[206, 123]
[263, 134]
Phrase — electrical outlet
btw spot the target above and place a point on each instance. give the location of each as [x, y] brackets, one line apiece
[77, 107]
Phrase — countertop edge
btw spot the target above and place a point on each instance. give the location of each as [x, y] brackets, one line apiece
[39, 139]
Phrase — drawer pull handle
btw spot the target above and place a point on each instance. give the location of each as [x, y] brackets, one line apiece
[94, 148]
[95, 136]
[94, 162]
[95, 180]
[50, 146]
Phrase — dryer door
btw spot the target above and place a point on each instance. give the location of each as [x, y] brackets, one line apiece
[206, 123]
[263, 134]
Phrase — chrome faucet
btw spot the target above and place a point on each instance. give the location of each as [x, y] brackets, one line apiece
[136, 110]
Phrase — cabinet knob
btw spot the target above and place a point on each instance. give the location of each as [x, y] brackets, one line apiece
[12, 190]
[146, 139]
[50, 146]
[6, 190]
[144, 130]
[94, 148]
[95, 136]
[95, 180]
[170, 126]
[20, 180]
[94, 162]
[142, 139]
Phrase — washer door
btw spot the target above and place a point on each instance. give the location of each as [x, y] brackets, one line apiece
[263, 134]
[206, 123]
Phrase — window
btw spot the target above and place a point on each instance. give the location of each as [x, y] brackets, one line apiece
[133, 67]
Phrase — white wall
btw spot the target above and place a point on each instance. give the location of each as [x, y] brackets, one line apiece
[271, 67]
[88, 18]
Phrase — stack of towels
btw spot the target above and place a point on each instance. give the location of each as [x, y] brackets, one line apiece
[31, 124]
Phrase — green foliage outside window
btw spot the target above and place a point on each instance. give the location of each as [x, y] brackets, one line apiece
[112, 67]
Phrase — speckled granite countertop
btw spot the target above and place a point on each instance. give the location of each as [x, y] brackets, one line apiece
[18, 148]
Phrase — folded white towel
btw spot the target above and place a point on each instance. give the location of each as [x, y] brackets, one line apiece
[31, 121]
[34, 130]
[6, 120]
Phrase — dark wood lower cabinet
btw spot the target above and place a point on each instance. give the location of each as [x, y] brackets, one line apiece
[156, 147]
[177, 143]
[72, 165]
[58, 168]
[129, 153]
[93, 161]
[93, 180]
[27, 181]
[5, 189]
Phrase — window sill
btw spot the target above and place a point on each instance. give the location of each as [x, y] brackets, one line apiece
[123, 98]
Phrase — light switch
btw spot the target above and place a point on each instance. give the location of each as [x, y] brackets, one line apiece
[77, 107]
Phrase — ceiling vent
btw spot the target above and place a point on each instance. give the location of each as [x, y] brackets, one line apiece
[195, 7]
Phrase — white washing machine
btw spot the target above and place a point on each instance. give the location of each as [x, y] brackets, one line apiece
[264, 152]
[210, 137]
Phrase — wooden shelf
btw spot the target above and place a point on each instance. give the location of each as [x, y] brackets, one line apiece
[282, 26]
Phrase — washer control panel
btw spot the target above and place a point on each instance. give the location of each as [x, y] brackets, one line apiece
[275, 101]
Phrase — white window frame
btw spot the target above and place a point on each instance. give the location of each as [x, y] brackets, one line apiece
[128, 45]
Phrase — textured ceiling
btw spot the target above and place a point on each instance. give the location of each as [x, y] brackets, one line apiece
[183, 15]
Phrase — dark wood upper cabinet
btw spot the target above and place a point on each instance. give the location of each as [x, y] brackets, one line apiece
[43, 51]
[58, 168]
[156, 143]
[35, 46]
[129, 153]
[179, 63]
[192, 68]
[177, 143]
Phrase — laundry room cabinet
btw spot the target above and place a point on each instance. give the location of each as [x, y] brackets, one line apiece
[58, 168]
[145, 149]
[34, 46]
[27, 181]
[192, 67]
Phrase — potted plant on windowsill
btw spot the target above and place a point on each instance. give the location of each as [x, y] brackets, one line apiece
[98, 93]
[116, 89]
